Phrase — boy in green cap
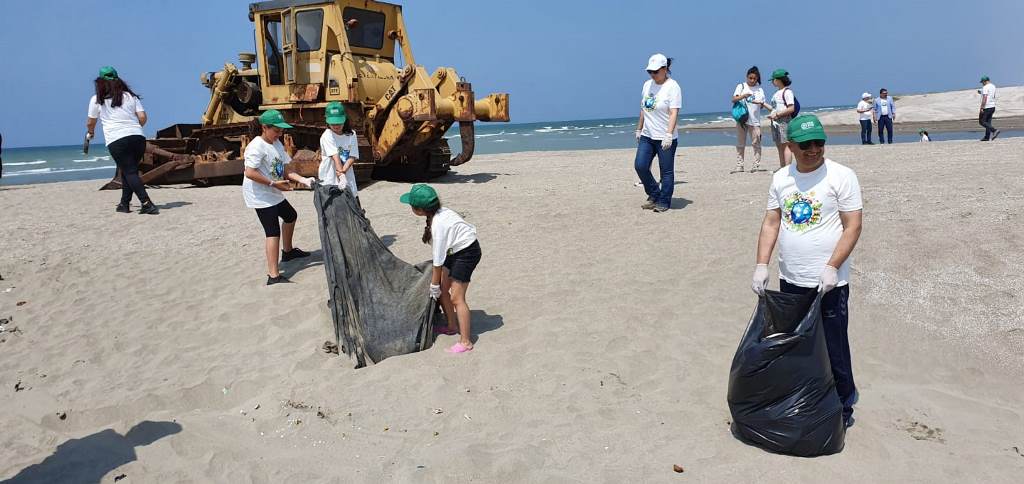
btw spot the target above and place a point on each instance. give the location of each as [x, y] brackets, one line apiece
[262, 187]
[988, 109]
[814, 213]
[456, 255]
[339, 149]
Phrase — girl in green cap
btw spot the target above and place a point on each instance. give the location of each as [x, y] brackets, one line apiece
[339, 149]
[456, 253]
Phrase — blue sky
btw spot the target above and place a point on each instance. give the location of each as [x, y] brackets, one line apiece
[560, 60]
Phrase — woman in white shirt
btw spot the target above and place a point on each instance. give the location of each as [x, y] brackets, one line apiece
[456, 253]
[751, 93]
[339, 149]
[121, 113]
[656, 132]
[784, 108]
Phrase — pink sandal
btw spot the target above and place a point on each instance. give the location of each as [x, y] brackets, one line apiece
[459, 348]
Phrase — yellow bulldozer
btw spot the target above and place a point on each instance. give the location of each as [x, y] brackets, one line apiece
[311, 52]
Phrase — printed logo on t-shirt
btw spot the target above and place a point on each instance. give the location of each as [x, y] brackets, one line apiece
[343, 154]
[801, 212]
[650, 101]
[277, 169]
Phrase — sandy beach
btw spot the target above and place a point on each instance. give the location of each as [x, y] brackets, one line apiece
[605, 332]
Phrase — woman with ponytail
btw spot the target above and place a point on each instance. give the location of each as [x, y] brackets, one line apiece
[456, 253]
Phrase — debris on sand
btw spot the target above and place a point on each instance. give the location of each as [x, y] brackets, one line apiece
[330, 348]
[678, 468]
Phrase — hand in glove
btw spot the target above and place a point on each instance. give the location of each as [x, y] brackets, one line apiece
[309, 182]
[760, 282]
[666, 143]
[829, 279]
[435, 291]
[637, 135]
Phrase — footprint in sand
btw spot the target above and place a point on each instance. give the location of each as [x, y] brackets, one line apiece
[920, 431]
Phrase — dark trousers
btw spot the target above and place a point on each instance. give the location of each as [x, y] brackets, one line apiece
[985, 120]
[835, 316]
[660, 193]
[884, 122]
[865, 131]
[127, 153]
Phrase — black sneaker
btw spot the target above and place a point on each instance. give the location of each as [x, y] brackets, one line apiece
[295, 253]
[276, 280]
[660, 209]
[149, 208]
[123, 208]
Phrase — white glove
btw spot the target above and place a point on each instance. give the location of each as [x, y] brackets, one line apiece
[666, 143]
[435, 291]
[829, 279]
[90, 135]
[760, 282]
[637, 135]
[309, 182]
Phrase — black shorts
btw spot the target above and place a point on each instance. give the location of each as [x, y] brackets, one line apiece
[461, 264]
[269, 215]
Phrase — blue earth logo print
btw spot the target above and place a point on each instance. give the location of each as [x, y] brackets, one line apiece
[277, 169]
[650, 101]
[800, 212]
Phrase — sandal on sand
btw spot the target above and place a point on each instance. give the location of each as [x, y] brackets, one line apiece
[459, 348]
[445, 330]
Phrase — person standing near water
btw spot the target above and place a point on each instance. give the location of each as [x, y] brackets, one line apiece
[656, 132]
[749, 92]
[120, 110]
[988, 108]
[814, 212]
[864, 110]
[885, 115]
[784, 106]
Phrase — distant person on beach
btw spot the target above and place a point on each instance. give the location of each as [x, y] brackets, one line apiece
[988, 109]
[339, 149]
[885, 115]
[751, 93]
[262, 187]
[814, 213]
[120, 110]
[456, 253]
[865, 109]
[656, 132]
[924, 136]
[784, 106]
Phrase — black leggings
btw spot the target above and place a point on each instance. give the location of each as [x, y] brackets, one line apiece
[127, 153]
[268, 217]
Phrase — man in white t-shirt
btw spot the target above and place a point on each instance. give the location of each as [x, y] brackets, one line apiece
[988, 108]
[265, 180]
[814, 213]
[865, 110]
[885, 115]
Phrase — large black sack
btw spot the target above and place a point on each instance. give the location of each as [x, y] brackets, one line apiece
[781, 392]
[380, 304]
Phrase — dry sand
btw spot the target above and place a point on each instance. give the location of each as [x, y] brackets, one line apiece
[605, 331]
[939, 111]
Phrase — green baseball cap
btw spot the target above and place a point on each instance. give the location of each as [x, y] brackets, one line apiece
[108, 73]
[779, 74]
[984, 78]
[272, 117]
[420, 195]
[335, 113]
[805, 127]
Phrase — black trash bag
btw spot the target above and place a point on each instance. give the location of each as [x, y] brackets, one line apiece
[380, 304]
[781, 392]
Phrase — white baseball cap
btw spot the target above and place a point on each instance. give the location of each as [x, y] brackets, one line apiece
[865, 95]
[657, 61]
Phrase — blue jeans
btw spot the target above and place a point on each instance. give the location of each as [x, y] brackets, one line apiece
[865, 131]
[885, 122]
[661, 193]
[835, 315]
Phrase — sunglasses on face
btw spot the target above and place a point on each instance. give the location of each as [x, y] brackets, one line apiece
[806, 145]
[652, 72]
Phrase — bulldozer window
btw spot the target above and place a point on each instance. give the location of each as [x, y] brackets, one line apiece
[272, 50]
[309, 26]
[369, 32]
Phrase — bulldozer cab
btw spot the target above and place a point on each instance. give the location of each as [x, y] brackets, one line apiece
[309, 50]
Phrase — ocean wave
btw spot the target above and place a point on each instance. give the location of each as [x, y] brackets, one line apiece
[549, 129]
[495, 134]
[23, 163]
[51, 171]
[688, 119]
[93, 159]
[499, 141]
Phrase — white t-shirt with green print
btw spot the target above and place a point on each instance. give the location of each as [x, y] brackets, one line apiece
[270, 160]
[811, 228]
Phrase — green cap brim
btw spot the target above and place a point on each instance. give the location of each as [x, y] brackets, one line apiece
[336, 120]
[282, 125]
[405, 199]
[813, 135]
